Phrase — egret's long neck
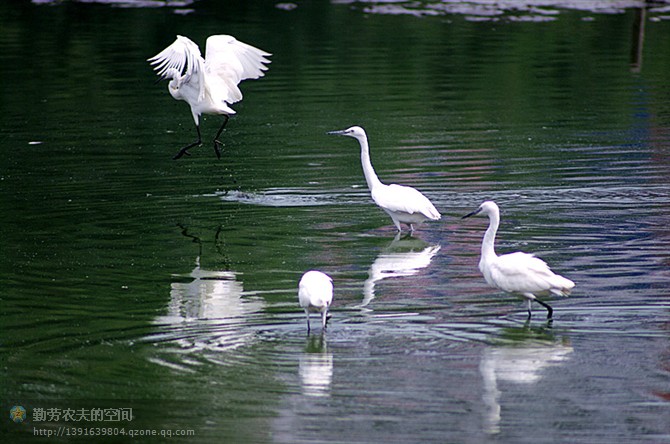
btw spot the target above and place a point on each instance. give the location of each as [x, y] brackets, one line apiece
[370, 175]
[488, 244]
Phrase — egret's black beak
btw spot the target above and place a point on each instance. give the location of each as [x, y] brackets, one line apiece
[474, 213]
[337, 133]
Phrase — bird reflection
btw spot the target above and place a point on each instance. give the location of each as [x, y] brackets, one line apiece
[316, 367]
[516, 362]
[403, 257]
[207, 307]
[209, 295]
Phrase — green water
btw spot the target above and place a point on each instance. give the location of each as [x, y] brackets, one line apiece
[130, 280]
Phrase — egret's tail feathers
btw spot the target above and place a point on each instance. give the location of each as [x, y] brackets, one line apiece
[431, 212]
[562, 286]
[435, 215]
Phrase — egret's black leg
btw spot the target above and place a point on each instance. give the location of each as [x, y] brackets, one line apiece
[217, 142]
[188, 147]
[550, 311]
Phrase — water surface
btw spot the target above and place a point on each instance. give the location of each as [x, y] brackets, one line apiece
[132, 280]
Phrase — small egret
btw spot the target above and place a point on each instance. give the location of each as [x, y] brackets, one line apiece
[209, 85]
[518, 272]
[404, 204]
[315, 293]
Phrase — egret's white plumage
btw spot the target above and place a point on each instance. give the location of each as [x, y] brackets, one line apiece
[209, 85]
[315, 294]
[404, 204]
[520, 273]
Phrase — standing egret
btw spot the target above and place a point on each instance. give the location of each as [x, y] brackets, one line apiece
[209, 85]
[518, 272]
[404, 204]
[315, 293]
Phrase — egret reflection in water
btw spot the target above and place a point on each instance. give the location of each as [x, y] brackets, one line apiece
[316, 367]
[517, 362]
[403, 257]
[208, 309]
[209, 295]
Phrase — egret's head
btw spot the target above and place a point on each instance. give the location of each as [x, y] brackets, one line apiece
[173, 87]
[487, 208]
[355, 131]
[176, 80]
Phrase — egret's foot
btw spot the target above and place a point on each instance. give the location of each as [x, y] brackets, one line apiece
[217, 148]
[181, 153]
[184, 151]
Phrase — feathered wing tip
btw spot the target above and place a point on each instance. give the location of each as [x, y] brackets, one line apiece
[253, 60]
[225, 52]
[182, 57]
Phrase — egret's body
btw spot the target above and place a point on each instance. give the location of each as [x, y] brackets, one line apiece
[405, 205]
[520, 273]
[209, 85]
[315, 294]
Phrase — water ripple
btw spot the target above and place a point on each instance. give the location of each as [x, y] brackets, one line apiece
[280, 197]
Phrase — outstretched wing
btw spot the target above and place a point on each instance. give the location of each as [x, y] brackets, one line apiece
[230, 61]
[183, 56]
[180, 58]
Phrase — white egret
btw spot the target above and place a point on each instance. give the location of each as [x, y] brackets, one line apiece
[209, 85]
[404, 204]
[520, 273]
[315, 294]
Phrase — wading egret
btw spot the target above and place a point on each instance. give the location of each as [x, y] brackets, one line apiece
[520, 273]
[315, 293]
[209, 85]
[404, 204]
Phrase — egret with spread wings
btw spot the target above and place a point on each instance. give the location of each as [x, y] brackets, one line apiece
[209, 85]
